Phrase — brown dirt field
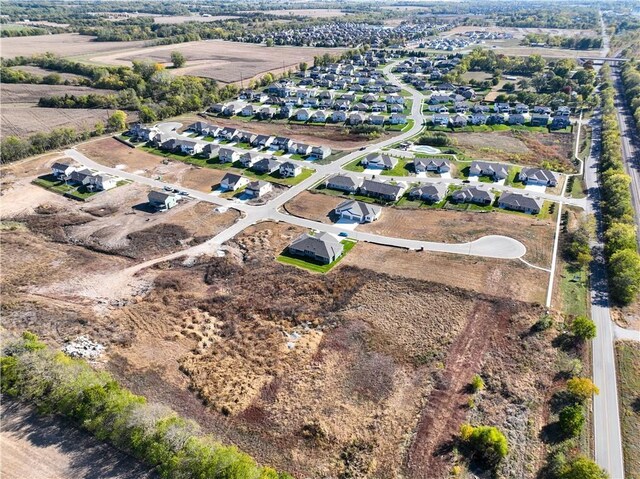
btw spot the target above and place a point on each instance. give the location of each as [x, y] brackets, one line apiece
[516, 280]
[373, 351]
[177, 19]
[224, 61]
[518, 147]
[63, 44]
[334, 137]
[23, 93]
[50, 448]
[441, 225]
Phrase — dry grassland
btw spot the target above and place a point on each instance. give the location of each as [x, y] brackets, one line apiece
[224, 61]
[373, 354]
[311, 13]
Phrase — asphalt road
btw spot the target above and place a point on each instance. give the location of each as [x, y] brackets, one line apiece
[606, 413]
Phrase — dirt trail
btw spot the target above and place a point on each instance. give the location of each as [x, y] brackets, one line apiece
[447, 405]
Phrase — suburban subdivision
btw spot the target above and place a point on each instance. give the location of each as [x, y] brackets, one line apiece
[320, 240]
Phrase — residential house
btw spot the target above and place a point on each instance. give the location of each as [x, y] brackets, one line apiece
[517, 119]
[233, 182]
[520, 202]
[376, 119]
[61, 170]
[322, 247]
[259, 188]
[478, 119]
[162, 200]
[248, 110]
[496, 119]
[497, 171]
[353, 210]
[319, 116]
[432, 192]
[189, 147]
[229, 133]
[502, 108]
[233, 108]
[458, 120]
[281, 143]
[288, 169]
[266, 112]
[522, 108]
[266, 165]
[381, 190]
[560, 122]
[539, 119]
[303, 149]
[302, 114]
[344, 183]
[398, 119]
[228, 155]
[320, 152]
[339, 116]
[538, 176]
[357, 118]
[81, 177]
[545, 110]
[250, 158]
[210, 150]
[381, 161]
[480, 195]
[440, 119]
[103, 182]
[435, 164]
[395, 108]
[263, 140]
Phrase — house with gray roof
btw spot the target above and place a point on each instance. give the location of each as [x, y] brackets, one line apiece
[436, 164]
[432, 192]
[81, 177]
[384, 191]
[162, 200]
[233, 182]
[538, 176]
[228, 155]
[266, 165]
[497, 171]
[259, 188]
[343, 183]
[322, 247]
[520, 202]
[289, 169]
[358, 211]
[250, 158]
[479, 195]
[61, 170]
[379, 160]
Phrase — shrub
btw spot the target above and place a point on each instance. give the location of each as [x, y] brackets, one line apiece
[583, 328]
[486, 443]
[582, 468]
[582, 388]
[572, 420]
[477, 384]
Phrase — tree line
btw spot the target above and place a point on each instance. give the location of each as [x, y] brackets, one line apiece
[621, 252]
[580, 43]
[631, 82]
[153, 433]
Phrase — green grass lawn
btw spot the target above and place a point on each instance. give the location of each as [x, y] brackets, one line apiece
[50, 183]
[576, 187]
[628, 362]
[401, 169]
[313, 266]
[573, 286]
[512, 179]
[405, 202]
[354, 166]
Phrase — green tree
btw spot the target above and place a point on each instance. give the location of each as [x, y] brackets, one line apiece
[13, 148]
[583, 328]
[99, 128]
[485, 442]
[572, 420]
[303, 66]
[582, 388]
[620, 236]
[624, 267]
[117, 121]
[269, 42]
[582, 468]
[178, 59]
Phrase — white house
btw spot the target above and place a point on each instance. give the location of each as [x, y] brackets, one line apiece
[259, 188]
[353, 210]
[288, 169]
[233, 182]
[61, 170]
[228, 155]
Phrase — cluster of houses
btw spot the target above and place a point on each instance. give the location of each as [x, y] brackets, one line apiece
[93, 181]
[348, 34]
[313, 97]
[226, 152]
[497, 114]
[465, 40]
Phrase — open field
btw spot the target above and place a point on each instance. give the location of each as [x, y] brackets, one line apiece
[173, 19]
[517, 146]
[63, 44]
[22, 117]
[441, 225]
[226, 62]
[34, 70]
[628, 361]
[519, 33]
[51, 448]
[307, 12]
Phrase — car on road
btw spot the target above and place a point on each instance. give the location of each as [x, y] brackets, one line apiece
[343, 234]
[168, 188]
[183, 193]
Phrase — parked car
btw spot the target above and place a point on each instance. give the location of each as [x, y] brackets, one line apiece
[343, 233]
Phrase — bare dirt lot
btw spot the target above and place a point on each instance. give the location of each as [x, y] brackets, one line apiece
[63, 44]
[22, 117]
[321, 375]
[112, 153]
[51, 448]
[517, 147]
[335, 137]
[441, 225]
[226, 62]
